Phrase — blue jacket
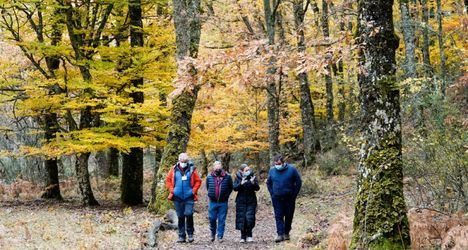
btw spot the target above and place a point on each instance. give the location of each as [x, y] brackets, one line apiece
[225, 187]
[182, 188]
[285, 182]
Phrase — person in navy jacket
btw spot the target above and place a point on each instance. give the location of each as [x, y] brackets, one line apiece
[219, 186]
[284, 183]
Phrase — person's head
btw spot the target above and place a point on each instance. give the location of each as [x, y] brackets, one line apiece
[241, 168]
[217, 166]
[183, 159]
[278, 160]
[246, 171]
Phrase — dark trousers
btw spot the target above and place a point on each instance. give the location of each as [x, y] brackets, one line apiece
[184, 210]
[246, 233]
[284, 212]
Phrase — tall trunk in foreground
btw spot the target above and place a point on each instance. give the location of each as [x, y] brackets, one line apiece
[187, 24]
[309, 131]
[132, 162]
[380, 220]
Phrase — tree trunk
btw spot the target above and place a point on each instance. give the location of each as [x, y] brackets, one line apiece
[408, 30]
[426, 41]
[82, 176]
[52, 184]
[270, 8]
[328, 80]
[309, 131]
[380, 220]
[187, 24]
[440, 37]
[225, 160]
[132, 162]
[204, 160]
[113, 156]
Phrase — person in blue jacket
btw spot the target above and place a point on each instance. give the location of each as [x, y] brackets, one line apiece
[219, 186]
[284, 183]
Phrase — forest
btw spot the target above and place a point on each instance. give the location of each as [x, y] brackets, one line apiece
[368, 99]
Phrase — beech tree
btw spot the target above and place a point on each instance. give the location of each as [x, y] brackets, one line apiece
[380, 220]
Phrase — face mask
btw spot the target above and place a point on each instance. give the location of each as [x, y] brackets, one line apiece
[245, 174]
[279, 167]
[183, 164]
[218, 171]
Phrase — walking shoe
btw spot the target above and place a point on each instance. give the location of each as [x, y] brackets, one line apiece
[249, 239]
[181, 240]
[220, 240]
[286, 237]
[279, 238]
[242, 241]
[190, 238]
[212, 238]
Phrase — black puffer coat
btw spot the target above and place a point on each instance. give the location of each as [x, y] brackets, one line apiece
[246, 201]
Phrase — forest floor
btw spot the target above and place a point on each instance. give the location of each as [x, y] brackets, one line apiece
[38, 224]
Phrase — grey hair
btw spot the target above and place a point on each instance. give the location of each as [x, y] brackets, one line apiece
[217, 163]
[183, 156]
[243, 166]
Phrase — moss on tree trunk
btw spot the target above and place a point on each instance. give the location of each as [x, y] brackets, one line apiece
[177, 140]
[380, 220]
[187, 24]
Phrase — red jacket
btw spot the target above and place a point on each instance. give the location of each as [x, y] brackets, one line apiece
[195, 182]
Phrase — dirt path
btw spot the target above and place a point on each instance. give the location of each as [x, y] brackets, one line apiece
[67, 225]
[263, 233]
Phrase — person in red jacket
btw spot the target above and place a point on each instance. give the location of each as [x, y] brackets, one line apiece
[183, 183]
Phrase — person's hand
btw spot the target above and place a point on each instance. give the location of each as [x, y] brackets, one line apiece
[252, 179]
[243, 181]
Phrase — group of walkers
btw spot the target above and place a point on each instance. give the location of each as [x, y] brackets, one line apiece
[183, 182]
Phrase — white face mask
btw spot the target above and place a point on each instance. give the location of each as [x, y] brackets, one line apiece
[279, 167]
[183, 164]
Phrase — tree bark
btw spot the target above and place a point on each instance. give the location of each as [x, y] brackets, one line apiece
[52, 184]
[408, 30]
[273, 107]
[380, 220]
[132, 162]
[187, 24]
[328, 79]
[84, 185]
[440, 38]
[52, 190]
[309, 131]
[113, 157]
[426, 42]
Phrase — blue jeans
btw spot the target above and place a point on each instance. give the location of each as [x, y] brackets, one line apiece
[217, 212]
[284, 212]
[184, 210]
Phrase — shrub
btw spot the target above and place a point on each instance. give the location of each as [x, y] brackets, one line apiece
[335, 161]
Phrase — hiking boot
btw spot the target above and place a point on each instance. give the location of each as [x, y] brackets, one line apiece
[181, 240]
[190, 238]
[286, 237]
[220, 240]
[242, 241]
[279, 238]
[212, 238]
[249, 239]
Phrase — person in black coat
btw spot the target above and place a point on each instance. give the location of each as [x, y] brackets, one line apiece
[246, 184]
